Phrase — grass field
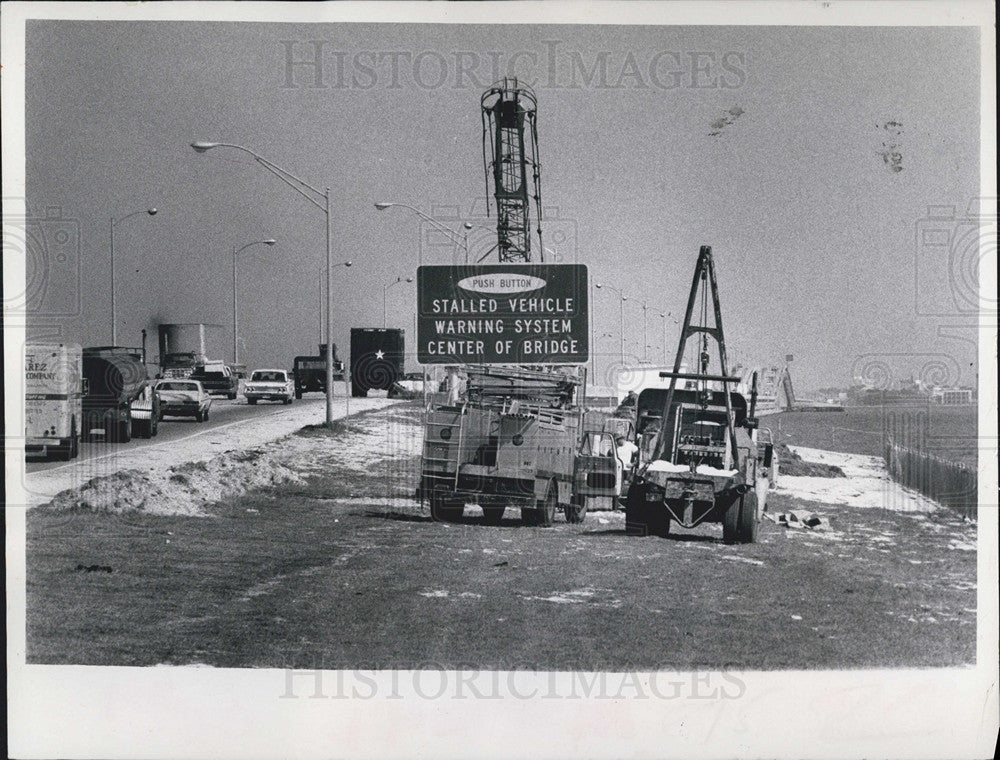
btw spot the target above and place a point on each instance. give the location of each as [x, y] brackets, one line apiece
[348, 571]
[947, 432]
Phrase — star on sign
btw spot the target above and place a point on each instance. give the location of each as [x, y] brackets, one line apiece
[380, 355]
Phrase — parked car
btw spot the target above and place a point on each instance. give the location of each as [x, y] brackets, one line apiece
[270, 385]
[217, 379]
[183, 398]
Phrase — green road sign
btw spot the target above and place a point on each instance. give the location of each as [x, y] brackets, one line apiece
[502, 314]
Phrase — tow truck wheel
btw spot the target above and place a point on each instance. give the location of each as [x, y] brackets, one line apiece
[635, 513]
[731, 522]
[748, 518]
[576, 510]
[659, 523]
[493, 515]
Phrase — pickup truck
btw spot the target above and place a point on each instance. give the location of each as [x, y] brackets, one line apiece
[217, 381]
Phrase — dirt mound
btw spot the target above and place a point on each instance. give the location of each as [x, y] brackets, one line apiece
[183, 490]
[792, 464]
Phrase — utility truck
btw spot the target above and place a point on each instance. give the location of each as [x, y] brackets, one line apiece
[517, 440]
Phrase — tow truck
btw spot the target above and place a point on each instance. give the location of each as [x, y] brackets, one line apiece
[702, 456]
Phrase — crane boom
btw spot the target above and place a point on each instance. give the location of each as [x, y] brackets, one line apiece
[510, 148]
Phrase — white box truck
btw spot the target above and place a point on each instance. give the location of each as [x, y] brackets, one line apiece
[53, 408]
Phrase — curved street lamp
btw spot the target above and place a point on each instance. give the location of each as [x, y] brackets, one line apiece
[321, 200]
[385, 296]
[114, 313]
[341, 264]
[382, 206]
[236, 349]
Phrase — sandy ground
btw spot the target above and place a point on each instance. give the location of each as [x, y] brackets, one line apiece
[157, 460]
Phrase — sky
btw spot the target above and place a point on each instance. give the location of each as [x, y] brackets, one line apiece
[806, 157]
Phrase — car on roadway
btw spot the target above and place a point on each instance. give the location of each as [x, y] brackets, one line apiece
[270, 385]
[183, 398]
[218, 379]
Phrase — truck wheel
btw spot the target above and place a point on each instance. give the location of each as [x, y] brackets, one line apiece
[125, 430]
[231, 396]
[206, 415]
[659, 523]
[445, 510]
[298, 394]
[748, 518]
[731, 522]
[529, 517]
[251, 401]
[577, 510]
[154, 423]
[199, 416]
[493, 515]
[547, 509]
[74, 440]
[636, 514]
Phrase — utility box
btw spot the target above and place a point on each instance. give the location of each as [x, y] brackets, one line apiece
[377, 355]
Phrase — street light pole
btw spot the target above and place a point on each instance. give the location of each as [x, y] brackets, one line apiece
[385, 298]
[114, 313]
[314, 196]
[382, 206]
[236, 347]
[645, 342]
[621, 315]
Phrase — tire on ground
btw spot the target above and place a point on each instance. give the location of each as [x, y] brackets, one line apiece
[493, 515]
[576, 510]
[748, 518]
[446, 510]
[547, 509]
[635, 513]
[731, 522]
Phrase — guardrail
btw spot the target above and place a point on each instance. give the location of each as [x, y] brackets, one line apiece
[949, 483]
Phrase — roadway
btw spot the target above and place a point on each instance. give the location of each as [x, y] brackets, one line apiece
[172, 429]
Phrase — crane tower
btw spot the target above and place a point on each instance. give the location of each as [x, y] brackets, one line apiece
[510, 147]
